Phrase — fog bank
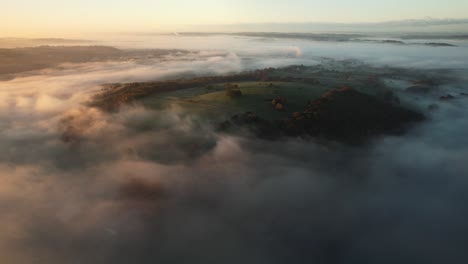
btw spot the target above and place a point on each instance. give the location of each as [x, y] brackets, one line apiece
[78, 185]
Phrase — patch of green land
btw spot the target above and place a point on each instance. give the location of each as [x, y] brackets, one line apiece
[209, 96]
[214, 102]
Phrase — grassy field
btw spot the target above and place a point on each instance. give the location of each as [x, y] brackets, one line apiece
[214, 103]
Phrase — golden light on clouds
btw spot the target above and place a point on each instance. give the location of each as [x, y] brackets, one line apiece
[34, 18]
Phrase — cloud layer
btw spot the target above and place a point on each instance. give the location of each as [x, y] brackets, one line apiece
[146, 186]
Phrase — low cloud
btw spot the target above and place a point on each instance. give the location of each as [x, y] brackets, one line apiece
[82, 186]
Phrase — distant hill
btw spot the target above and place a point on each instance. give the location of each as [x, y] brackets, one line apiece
[35, 58]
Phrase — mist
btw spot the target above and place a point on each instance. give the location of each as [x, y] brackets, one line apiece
[142, 185]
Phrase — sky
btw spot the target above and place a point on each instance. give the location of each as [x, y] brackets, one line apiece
[32, 17]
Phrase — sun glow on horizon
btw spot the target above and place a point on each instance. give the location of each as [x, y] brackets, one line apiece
[29, 18]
